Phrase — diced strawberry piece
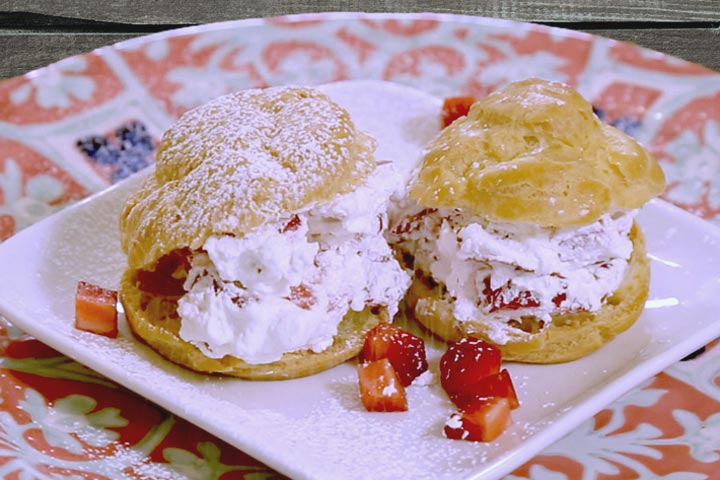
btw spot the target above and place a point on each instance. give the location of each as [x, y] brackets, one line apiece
[95, 309]
[483, 421]
[523, 300]
[293, 224]
[496, 385]
[380, 387]
[405, 351]
[302, 296]
[454, 108]
[413, 222]
[495, 300]
[166, 278]
[465, 362]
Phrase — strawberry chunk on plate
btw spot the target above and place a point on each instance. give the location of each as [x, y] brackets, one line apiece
[482, 421]
[405, 351]
[495, 385]
[95, 309]
[454, 108]
[380, 387]
[466, 362]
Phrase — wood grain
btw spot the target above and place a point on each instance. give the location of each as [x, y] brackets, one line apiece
[28, 51]
[695, 45]
[183, 12]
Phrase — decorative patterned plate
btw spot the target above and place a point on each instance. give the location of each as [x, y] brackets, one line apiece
[77, 126]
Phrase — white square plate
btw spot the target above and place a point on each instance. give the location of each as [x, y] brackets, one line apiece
[316, 427]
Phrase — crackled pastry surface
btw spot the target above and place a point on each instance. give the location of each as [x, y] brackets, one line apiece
[534, 152]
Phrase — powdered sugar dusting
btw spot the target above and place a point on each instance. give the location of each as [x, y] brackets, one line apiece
[241, 161]
[335, 251]
[425, 379]
[377, 438]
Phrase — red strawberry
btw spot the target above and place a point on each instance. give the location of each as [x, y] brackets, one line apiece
[95, 309]
[482, 421]
[495, 385]
[302, 296]
[166, 278]
[405, 351]
[380, 388]
[465, 362]
[293, 224]
[454, 108]
[495, 300]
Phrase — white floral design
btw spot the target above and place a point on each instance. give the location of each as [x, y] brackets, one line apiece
[226, 40]
[703, 437]
[72, 421]
[10, 330]
[39, 199]
[695, 162]
[701, 373]
[62, 426]
[541, 64]
[192, 466]
[208, 465]
[600, 451]
[69, 420]
[57, 85]
[318, 71]
[199, 85]
[156, 50]
[654, 56]
[432, 76]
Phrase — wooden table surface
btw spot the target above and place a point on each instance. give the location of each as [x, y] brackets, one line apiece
[34, 33]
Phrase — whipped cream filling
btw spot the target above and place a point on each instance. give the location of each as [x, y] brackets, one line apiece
[286, 286]
[503, 274]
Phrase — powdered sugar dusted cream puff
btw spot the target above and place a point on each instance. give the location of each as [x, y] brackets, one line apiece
[520, 227]
[256, 246]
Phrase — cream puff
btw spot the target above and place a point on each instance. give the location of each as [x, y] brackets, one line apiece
[255, 248]
[520, 226]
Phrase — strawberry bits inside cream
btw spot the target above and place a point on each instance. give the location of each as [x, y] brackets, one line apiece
[286, 286]
[515, 276]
